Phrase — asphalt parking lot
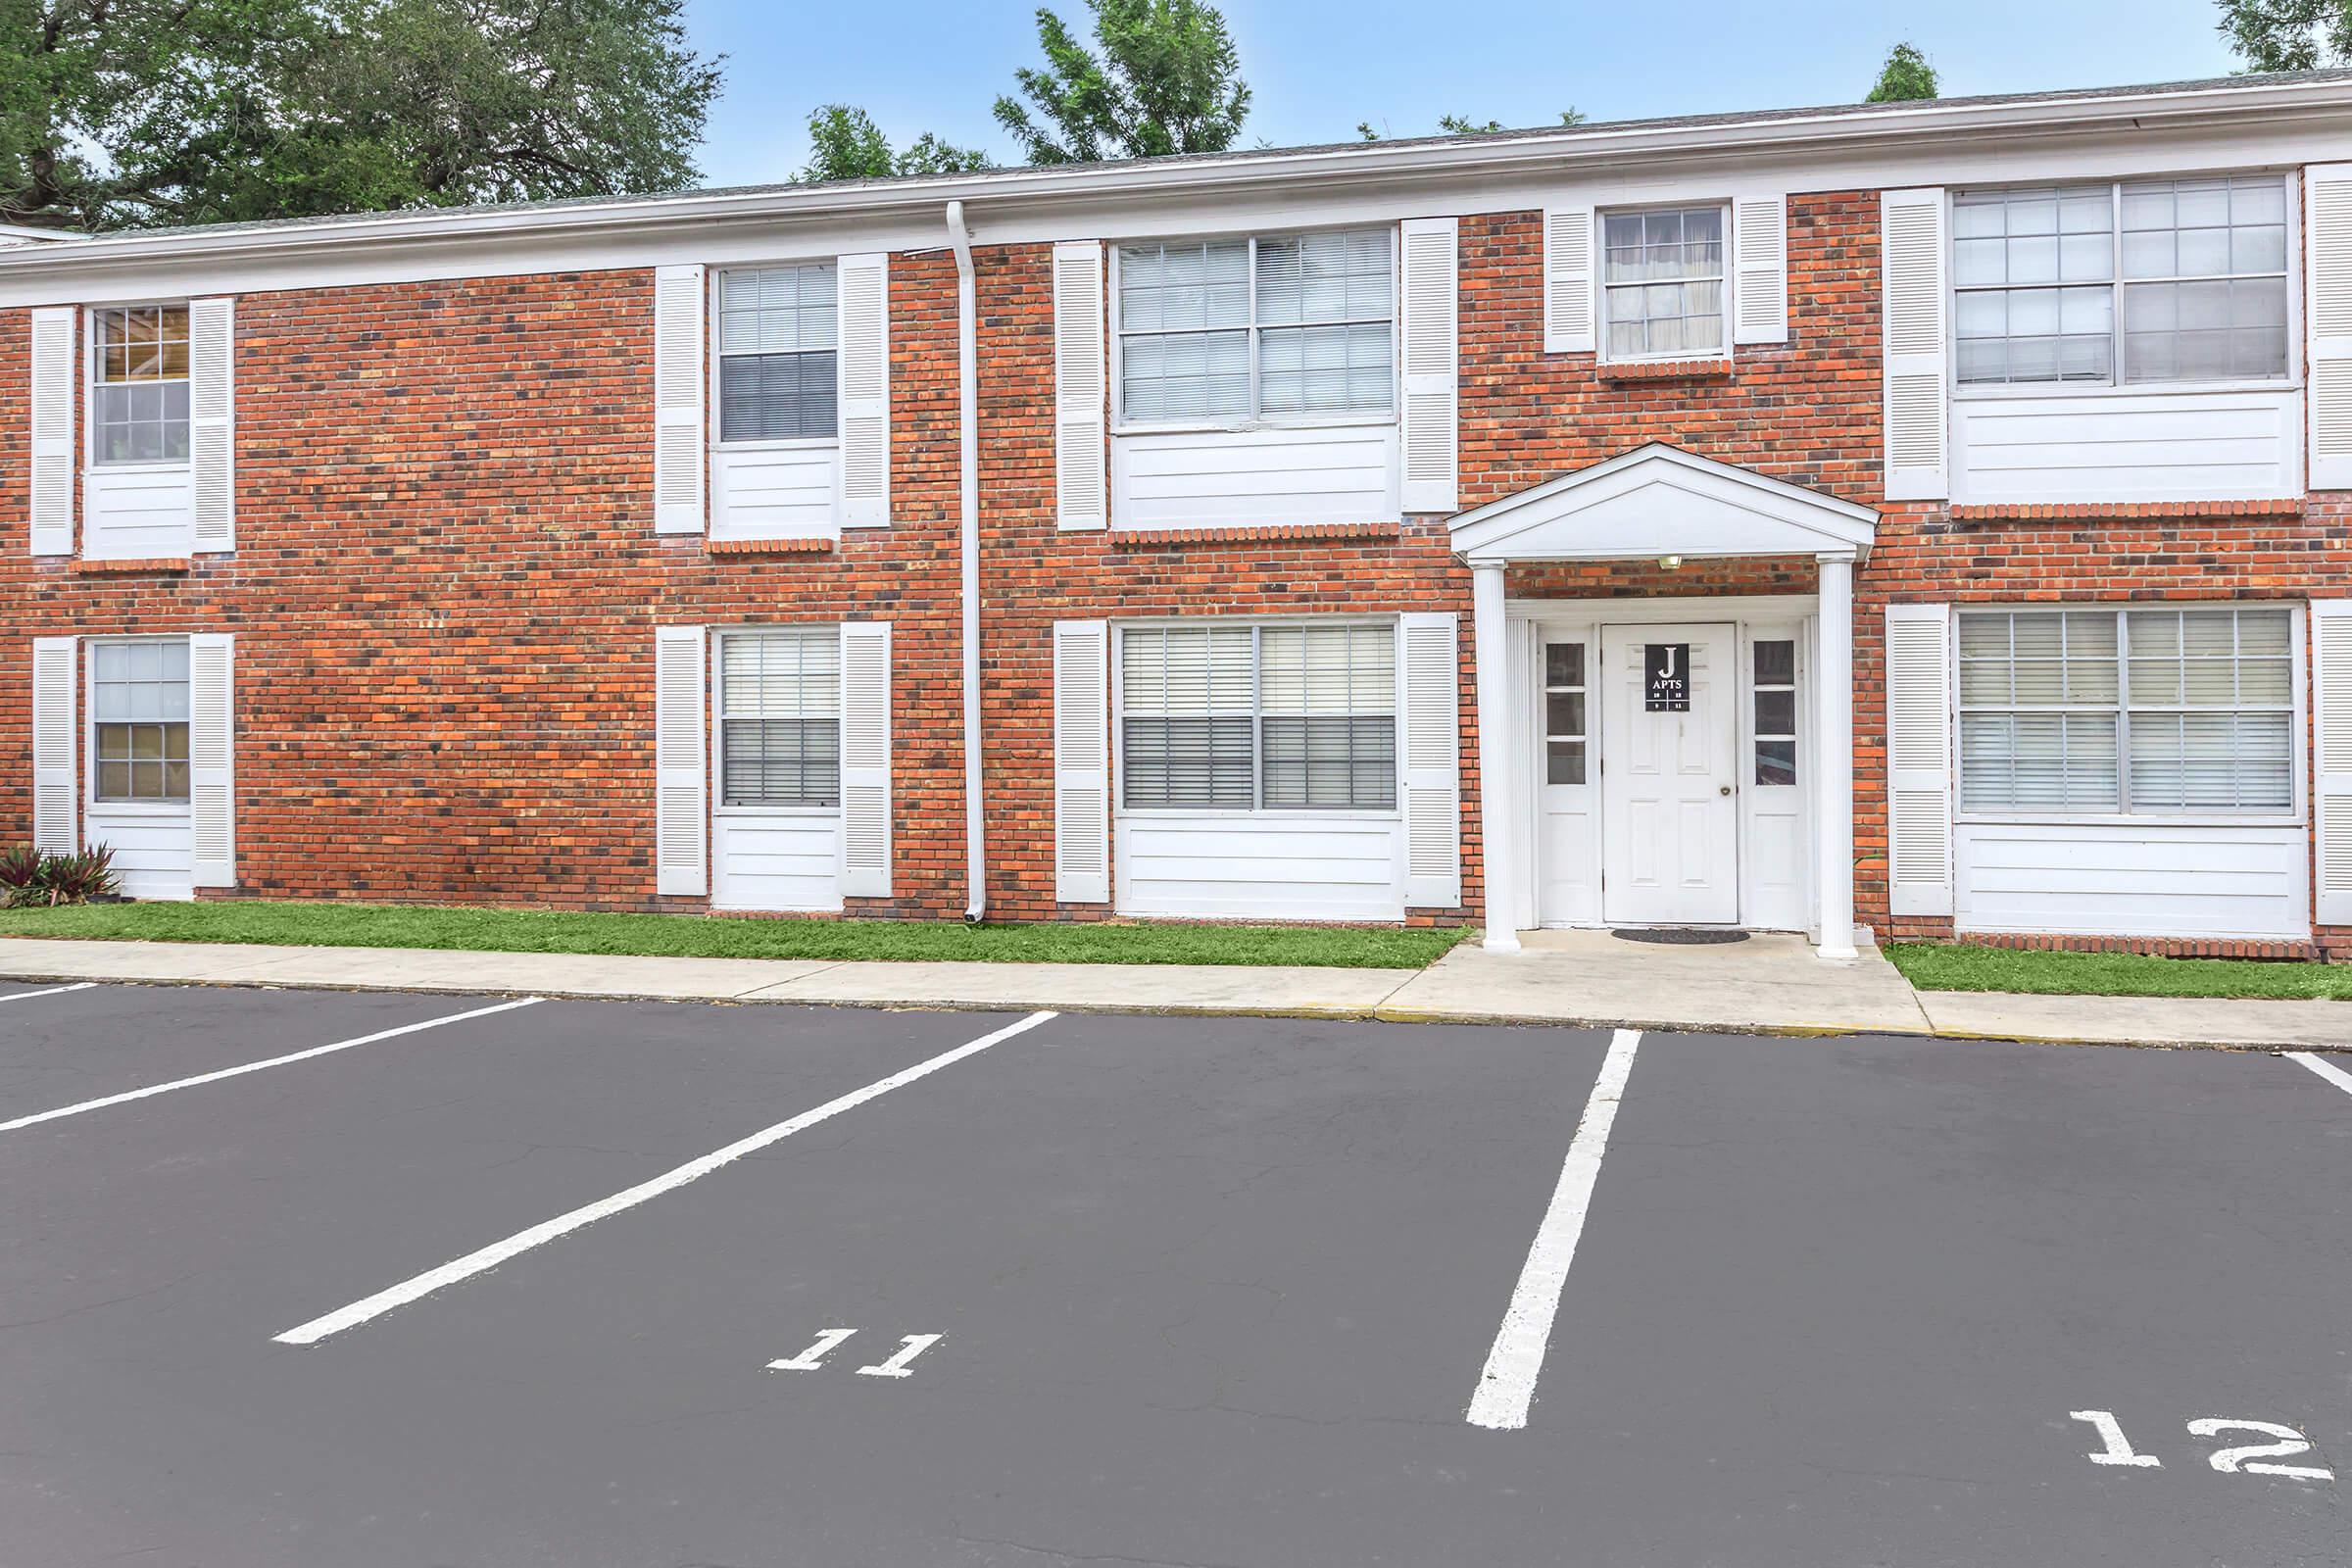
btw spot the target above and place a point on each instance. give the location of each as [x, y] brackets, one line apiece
[443, 1281]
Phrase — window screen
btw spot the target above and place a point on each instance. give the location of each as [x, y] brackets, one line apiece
[139, 718]
[1662, 282]
[140, 409]
[778, 373]
[779, 717]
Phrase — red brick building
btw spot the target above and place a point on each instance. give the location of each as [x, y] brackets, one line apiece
[1925, 516]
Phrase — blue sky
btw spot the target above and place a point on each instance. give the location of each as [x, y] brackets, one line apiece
[1320, 65]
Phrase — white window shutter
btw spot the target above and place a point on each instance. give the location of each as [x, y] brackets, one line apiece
[2332, 730]
[56, 781]
[1432, 298]
[679, 377]
[212, 757]
[681, 822]
[1915, 369]
[1080, 378]
[1760, 268]
[865, 367]
[865, 760]
[2328, 320]
[212, 428]
[1428, 663]
[1082, 762]
[53, 431]
[1919, 758]
[1568, 280]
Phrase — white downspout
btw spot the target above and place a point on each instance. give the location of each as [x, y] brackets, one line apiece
[968, 553]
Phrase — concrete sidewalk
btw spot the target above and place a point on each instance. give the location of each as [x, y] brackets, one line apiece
[1766, 985]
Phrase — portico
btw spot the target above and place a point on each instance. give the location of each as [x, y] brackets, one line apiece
[1667, 759]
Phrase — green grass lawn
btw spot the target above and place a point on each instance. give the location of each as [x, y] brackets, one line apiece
[379, 925]
[1961, 967]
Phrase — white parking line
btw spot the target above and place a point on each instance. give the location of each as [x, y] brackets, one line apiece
[497, 1253]
[1507, 1386]
[2325, 1068]
[53, 991]
[255, 1066]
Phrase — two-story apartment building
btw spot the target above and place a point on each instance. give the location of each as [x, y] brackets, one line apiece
[1931, 518]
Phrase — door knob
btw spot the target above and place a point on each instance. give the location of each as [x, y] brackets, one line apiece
[1724, 790]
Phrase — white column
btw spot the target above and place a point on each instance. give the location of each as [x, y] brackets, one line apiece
[1833, 766]
[1502, 854]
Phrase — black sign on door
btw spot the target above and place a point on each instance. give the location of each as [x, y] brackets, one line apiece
[1666, 677]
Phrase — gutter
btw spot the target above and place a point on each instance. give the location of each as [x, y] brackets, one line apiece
[967, 554]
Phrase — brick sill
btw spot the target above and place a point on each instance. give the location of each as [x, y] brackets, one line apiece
[769, 547]
[1668, 370]
[2096, 510]
[1250, 534]
[146, 564]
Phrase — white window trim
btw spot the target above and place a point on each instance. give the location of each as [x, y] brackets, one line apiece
[2292, 381]
[90, 464]
[1120, 424]
[713, 425]
[1600, 282]
[2299, 721]
[719, 723]
[87, 740]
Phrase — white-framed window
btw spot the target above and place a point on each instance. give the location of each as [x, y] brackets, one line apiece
[779, 717]
[1773, 692]
[2128, 283]
[1662, 294]
[776, 342]
[139, 721]
[139, 384]
[1276, 329]
[1566, 735]
[1258, 717]
[2161, 710]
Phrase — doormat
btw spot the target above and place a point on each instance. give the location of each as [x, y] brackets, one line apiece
[1683, 938]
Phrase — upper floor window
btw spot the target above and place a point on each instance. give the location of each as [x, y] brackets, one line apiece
[140, 411]
[2133, 283]
[1661, 283]
[139, 719]
[779, 717]
[778, 379]
[1278, 328]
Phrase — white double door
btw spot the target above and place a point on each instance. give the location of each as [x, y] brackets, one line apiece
[1669, 775]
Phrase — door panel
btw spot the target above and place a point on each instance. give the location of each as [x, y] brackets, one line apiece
[1669, 779]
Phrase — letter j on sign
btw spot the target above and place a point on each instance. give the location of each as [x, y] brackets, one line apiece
[1666, 677]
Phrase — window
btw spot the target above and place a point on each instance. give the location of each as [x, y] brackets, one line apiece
[2194, 269]
[139, 715]
[779, 717]
[141, 413]
[1564, 692]
[2139, 711]
[1289, 327]
[778, 376]
[1662, 283]
[1248, 717]
[1774, 685]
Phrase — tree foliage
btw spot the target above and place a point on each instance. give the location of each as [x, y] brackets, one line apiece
[1905, 78]
[845, 143]
[1464, 125]
[2289, 35]
[1167, 80]
[124, 112]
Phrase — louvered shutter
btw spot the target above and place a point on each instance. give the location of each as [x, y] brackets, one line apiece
[678, 381]
[864, 391]
[865, 760]
[211, 429]
[2328, 320]
[1568, 280]
[2332, 730]
[1429, 691]
[1919, 758]
[212, 757]
[1082, 762]
[681, 823]
[1760, 268]
[53, 431]
[56, 782]
[1080, 376]
[1431, 296]
[1914, 360]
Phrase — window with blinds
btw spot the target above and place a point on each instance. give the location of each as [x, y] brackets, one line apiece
[1258, 717]
[779, 717]
[2139, 710]
[1289, 327]
[777, 333]
[139, 719]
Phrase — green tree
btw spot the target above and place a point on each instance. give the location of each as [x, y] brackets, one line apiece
[2289, 35]
[1167, 80]
[127, 113]
[845, 143]
[1904, 77]
[1464, 125]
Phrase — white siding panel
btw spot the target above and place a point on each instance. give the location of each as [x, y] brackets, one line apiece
[784, 493]
[155, 853]
[776, 860]
[136, 514]
[2208, 445]
[1229, 479]
[2149, 881]
[1264, 867]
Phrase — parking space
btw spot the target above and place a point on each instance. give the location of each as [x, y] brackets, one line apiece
[792, 1286]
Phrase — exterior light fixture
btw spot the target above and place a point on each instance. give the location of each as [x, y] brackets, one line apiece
[1670, 562]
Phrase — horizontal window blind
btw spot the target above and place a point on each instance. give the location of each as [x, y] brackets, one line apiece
[779, 717]
[778, 334]
[139, 713]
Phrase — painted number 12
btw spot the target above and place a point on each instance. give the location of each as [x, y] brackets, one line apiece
[2252, 1459]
